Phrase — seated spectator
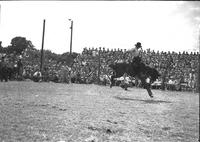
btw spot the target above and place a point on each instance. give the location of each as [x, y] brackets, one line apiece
[37, 76]
[171, 84]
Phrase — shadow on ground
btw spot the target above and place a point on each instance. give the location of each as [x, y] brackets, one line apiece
[151, 101]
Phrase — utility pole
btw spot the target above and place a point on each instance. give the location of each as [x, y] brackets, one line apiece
[198, 78]
[71, 36]
[41, 58]
[99, 65]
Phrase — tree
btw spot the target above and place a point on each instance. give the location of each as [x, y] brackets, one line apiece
[1, 48]
[66, 58]
[50, 55]
[19, 44]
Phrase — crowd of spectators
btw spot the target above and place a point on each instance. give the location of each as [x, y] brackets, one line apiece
[91, 66]
[52, 69]
[175, 68]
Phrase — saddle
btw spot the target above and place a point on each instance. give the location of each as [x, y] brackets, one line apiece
[137, 64]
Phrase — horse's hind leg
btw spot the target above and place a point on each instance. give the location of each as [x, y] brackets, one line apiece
[149, 92]
[147, 86]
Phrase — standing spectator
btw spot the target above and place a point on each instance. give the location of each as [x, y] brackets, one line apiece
[163, 80]
[192, 80]
[19, 69]
[3, 70]
[10, 69]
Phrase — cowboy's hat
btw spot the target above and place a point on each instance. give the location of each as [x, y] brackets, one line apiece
[138, 45]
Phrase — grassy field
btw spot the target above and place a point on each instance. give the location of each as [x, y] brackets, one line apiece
[43, 112]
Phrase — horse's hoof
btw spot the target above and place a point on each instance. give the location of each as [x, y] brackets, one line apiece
[151, 96]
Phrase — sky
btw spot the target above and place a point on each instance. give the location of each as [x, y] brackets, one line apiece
[158, 25]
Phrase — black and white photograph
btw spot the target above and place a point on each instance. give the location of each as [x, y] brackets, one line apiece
[99, 71]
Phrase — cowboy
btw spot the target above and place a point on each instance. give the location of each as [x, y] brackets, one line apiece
[135, 52]
[135, 57]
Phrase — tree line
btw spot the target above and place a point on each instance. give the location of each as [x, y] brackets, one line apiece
[19, 45]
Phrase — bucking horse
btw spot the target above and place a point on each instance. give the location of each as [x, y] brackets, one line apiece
[136, 69]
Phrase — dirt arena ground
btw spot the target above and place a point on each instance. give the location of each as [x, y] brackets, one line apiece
[49, 112]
